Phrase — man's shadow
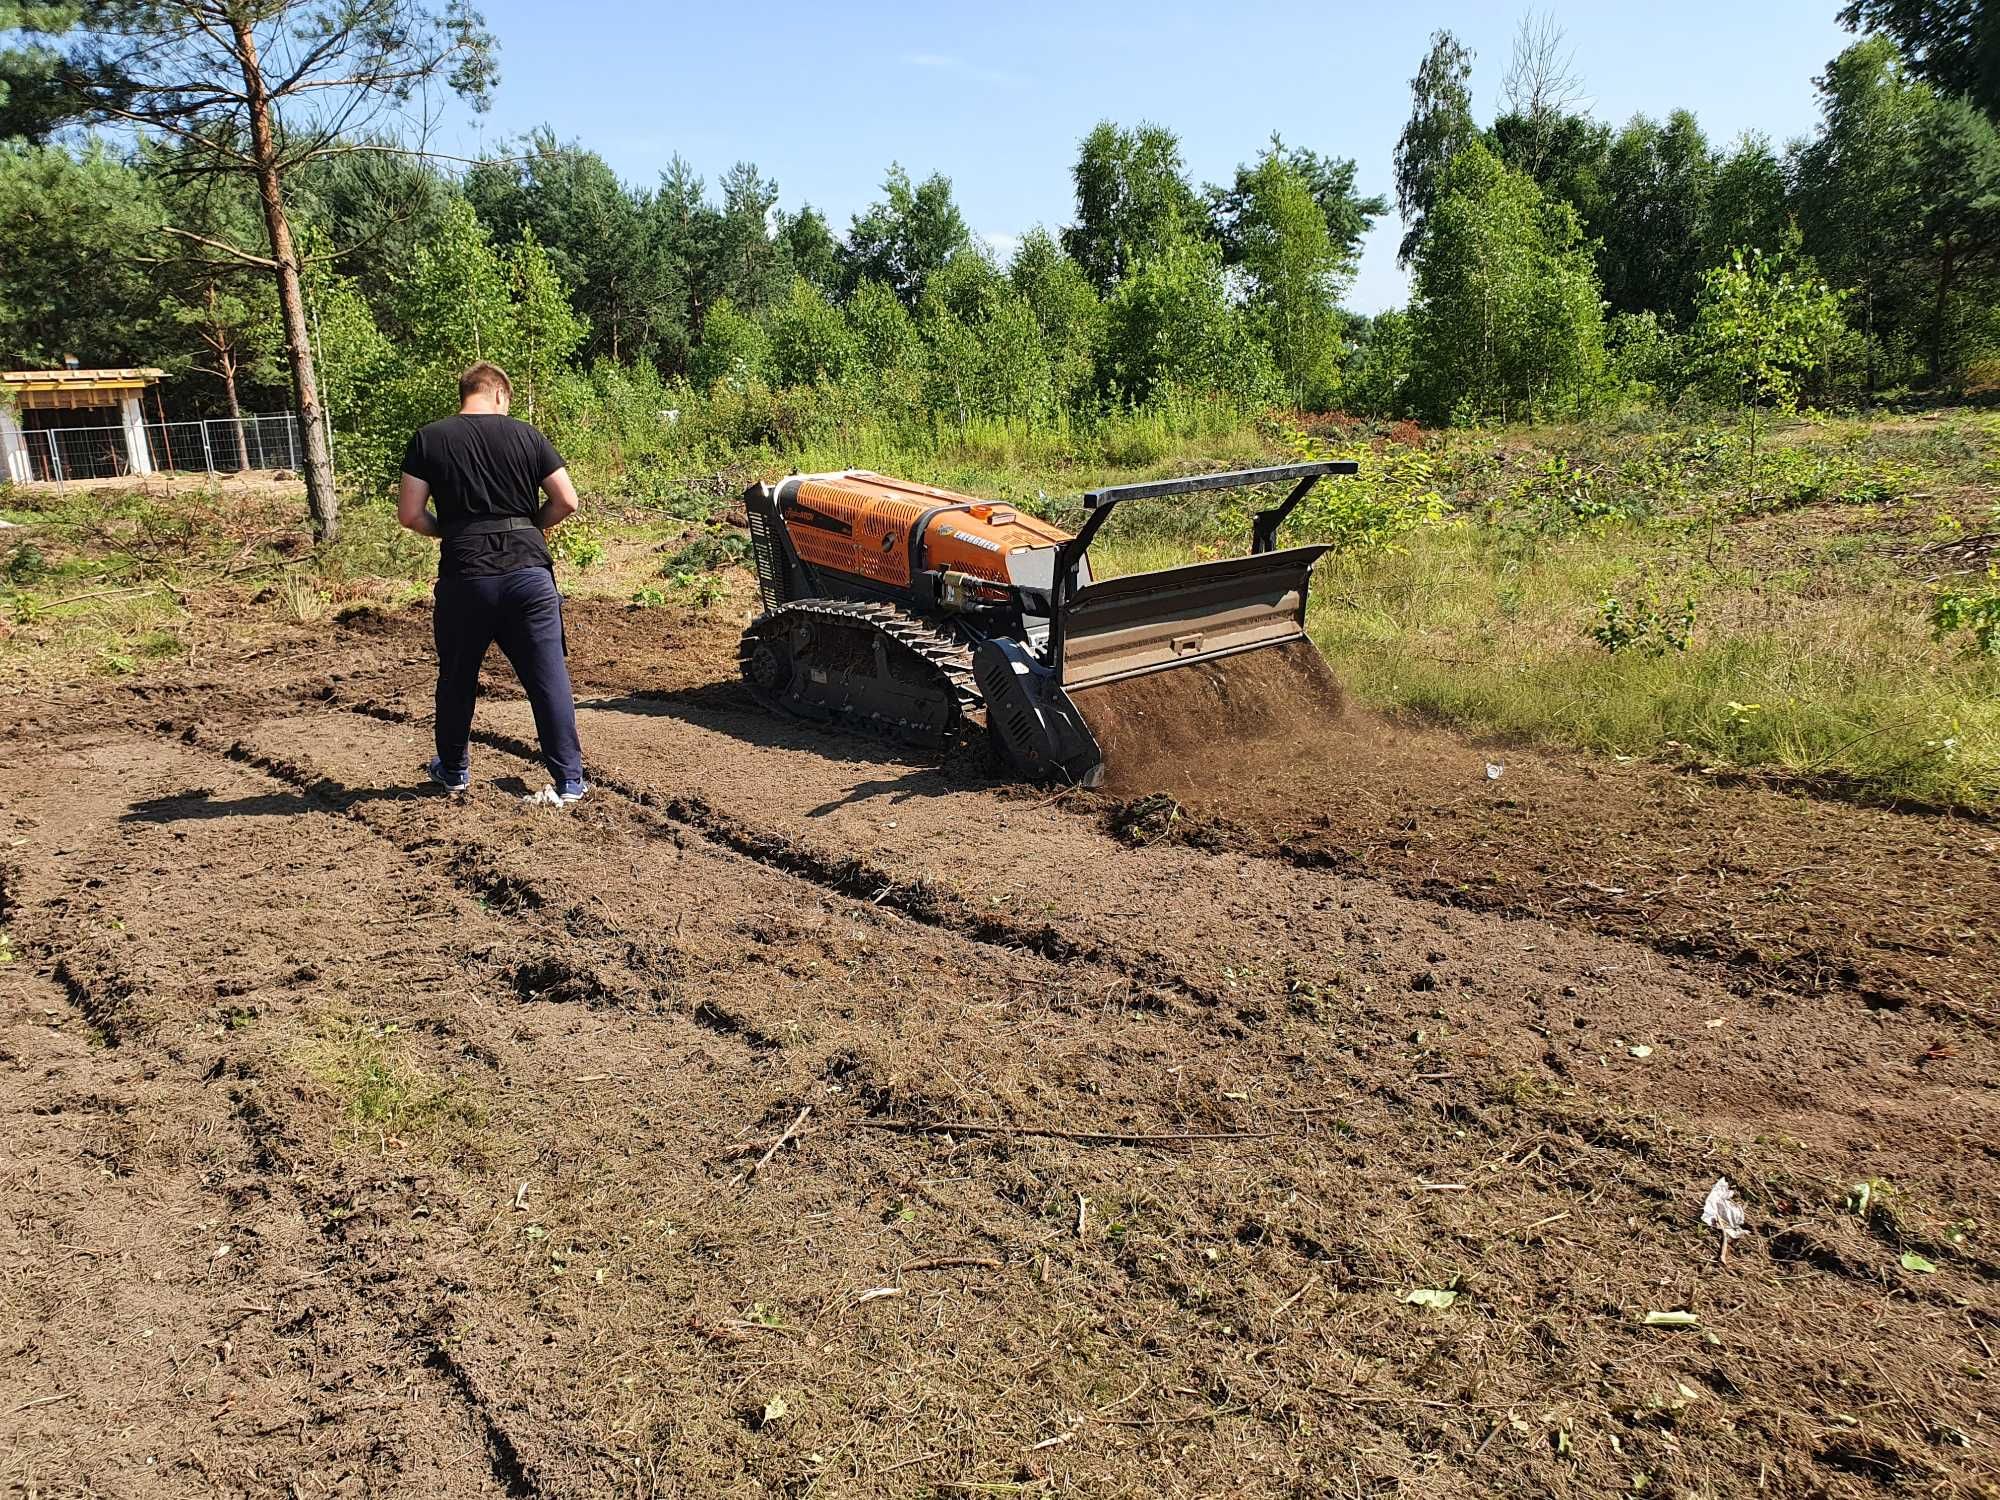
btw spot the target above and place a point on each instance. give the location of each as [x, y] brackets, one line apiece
[727, 708]
[198, 804]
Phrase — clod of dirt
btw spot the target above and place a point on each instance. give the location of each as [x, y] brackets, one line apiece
[554, 979]
[367, 619]
[1144, 820]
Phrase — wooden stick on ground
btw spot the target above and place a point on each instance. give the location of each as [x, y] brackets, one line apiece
[1306, 1287]
[981, 1127]
[1100, 1137]
[790, 1131]
[142, 588]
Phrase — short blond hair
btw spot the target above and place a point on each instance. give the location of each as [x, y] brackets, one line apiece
[484, 376]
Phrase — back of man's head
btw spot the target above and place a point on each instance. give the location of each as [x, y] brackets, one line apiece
[488, 380]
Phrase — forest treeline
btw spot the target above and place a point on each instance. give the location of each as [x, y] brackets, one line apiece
[1559, 263]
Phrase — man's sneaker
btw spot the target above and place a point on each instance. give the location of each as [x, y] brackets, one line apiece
[434, 768]
[548, 796]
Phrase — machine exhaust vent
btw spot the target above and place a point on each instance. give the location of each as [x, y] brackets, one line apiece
[764, 551]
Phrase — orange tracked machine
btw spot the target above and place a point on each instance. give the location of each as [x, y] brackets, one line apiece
[913, 613]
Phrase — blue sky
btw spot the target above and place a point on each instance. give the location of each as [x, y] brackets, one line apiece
[823, 97]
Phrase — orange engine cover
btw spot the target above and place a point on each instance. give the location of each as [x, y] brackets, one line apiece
[863, 524]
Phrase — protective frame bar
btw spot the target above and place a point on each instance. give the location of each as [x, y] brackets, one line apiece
[1098, 505]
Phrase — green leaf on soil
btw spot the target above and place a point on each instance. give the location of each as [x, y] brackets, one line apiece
[1671, 1320]
[1915, 1262]
[1429, 1296]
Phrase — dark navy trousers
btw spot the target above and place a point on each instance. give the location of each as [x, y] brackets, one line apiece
[523, 612]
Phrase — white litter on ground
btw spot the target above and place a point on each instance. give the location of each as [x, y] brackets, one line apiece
[1722, 1212]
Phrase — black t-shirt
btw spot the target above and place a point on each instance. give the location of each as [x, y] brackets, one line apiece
[481, 465]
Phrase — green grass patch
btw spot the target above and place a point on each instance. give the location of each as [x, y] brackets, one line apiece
[1847, 687]
[381, 1094]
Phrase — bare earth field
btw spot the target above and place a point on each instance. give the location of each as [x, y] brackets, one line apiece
[792, 1119]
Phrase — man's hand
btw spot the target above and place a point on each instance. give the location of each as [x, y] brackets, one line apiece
[561, 504]
[413, 507]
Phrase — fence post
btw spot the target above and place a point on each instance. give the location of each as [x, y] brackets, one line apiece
[55, 460]
[207, 453]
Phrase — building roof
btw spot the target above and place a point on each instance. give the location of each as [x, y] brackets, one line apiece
[80, 380]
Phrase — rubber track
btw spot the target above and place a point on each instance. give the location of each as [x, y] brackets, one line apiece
[948, 656]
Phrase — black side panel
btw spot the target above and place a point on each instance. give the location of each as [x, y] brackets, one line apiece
[1031, 719]
[781, 575]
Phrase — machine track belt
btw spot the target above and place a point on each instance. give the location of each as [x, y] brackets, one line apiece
[866, 667]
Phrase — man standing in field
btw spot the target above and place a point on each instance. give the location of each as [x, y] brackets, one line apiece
[487, 475]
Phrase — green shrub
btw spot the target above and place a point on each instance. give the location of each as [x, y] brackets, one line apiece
[1975, 610]
[1561, 498]
[708, 552]
[578, 542]
[1393, 493]
[1647, 626]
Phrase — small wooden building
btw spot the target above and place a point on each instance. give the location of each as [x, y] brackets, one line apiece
[59, 423]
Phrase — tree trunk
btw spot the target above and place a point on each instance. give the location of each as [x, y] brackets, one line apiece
[320, 497]
[218, 339]
[235, 409]
[1940, 308]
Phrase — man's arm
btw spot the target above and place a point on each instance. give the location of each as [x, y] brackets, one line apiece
[561, 503]
[413, 507]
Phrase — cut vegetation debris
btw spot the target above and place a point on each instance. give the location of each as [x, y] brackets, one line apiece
[1438, 1298]
[1171, 1110]
[1722, 1213]
[1671, 1320]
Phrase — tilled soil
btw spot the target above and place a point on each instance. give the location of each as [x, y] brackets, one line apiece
[791, 1118]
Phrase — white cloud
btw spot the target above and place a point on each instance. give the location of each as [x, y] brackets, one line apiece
[1003, 243]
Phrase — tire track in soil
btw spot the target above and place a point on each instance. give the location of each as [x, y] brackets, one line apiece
[934, 902]
[1768, 883]
[473, 869]
[928, 898]
[1601, 1133]
[923, 901]
[384, 819]
[1551, 1012]
[520, 1463]
[1156, 1283]
[261, 1364]
[311, 776]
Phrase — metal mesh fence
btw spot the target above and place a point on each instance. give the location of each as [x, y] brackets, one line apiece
[215, 446]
